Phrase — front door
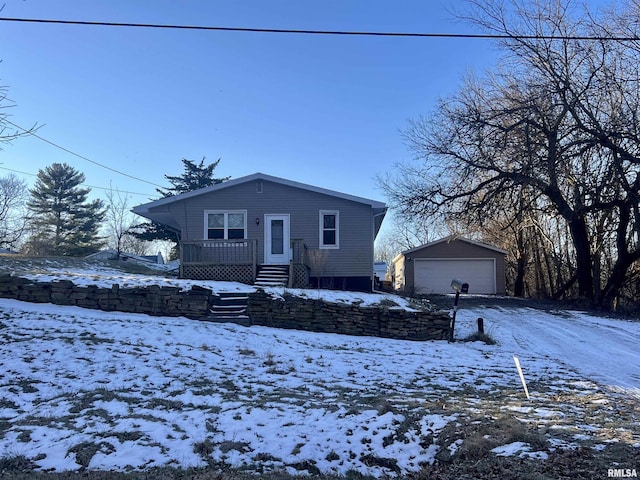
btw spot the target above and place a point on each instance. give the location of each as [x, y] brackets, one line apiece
[276, 239]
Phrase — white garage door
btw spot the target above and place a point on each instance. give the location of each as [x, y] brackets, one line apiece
[435, 275]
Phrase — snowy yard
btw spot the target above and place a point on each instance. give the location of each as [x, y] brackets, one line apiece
[115, 391]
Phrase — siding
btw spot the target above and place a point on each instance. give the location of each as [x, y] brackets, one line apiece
[353, 258]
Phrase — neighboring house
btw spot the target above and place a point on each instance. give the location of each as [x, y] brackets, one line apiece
[112, 254]
[380, 274]
[157, 258]
[380, 271]
[430, 268]
[236, 229]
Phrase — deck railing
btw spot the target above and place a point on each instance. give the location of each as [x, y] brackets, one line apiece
[298, 251]
[218, 252]
[232, 252]
[298, 268]
[236, 260]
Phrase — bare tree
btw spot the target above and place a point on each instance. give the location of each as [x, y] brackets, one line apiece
[559, 120]
[119, 221]
[8, 130]
[317, 258]
[404, 232]
[13, 192]
[136, 246]
[386, 248]
[13, 217]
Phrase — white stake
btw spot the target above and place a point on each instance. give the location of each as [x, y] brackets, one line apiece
[524, 384]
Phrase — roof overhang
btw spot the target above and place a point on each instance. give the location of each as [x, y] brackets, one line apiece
[452, 238]
[378, 217]
[257, 176]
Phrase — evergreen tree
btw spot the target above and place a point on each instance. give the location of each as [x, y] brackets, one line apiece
[194, 177]
[63, 220]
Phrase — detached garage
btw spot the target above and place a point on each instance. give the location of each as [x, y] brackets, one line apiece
[429, 268]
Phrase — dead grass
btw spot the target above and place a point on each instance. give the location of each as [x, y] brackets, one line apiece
[85, 451]
[213, 472]
[480, 337]
[480, 436]
[580, 464]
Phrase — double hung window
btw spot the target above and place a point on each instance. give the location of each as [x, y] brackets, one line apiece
[329, 229]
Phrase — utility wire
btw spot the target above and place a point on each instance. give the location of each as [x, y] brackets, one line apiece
[84, 184]
[31, 132]
[322, 32]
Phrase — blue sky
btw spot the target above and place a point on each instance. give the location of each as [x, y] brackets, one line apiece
[324, 110]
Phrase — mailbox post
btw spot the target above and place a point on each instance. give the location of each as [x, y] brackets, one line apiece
[460, 287]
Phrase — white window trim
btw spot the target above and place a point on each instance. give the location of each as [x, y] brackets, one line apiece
[321, 225]
[226, 222]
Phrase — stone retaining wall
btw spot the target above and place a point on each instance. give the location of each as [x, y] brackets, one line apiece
[351, 319]
[290, 311]
[152, 300]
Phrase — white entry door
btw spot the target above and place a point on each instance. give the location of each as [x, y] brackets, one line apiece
[276, 239]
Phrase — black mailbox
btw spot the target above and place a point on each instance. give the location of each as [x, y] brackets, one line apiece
[459, 286]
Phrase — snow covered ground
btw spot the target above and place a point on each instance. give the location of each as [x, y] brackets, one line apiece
[106, 390]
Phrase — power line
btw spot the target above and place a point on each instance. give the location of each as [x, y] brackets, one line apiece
[322, 32]
[84, 184]
[31, 132]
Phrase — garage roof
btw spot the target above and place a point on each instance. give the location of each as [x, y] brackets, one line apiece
[452, 238]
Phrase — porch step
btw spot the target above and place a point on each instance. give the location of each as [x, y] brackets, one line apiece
[230, 307]
[272, 276]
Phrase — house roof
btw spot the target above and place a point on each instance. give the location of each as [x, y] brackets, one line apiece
[379, 208]
[451, 238]
[257, 176]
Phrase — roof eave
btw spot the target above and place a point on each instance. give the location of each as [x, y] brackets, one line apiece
[451, 238]
[257, 176]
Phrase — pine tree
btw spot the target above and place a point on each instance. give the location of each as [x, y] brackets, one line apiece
[194, 177]
[63, 220]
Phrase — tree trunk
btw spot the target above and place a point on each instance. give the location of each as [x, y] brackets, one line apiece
[518, 284]
[623, 263]
[584, 272]
[609, 298]
[521, 263]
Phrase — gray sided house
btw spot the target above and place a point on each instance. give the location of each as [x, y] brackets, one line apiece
[429, 268]
[265, 229]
